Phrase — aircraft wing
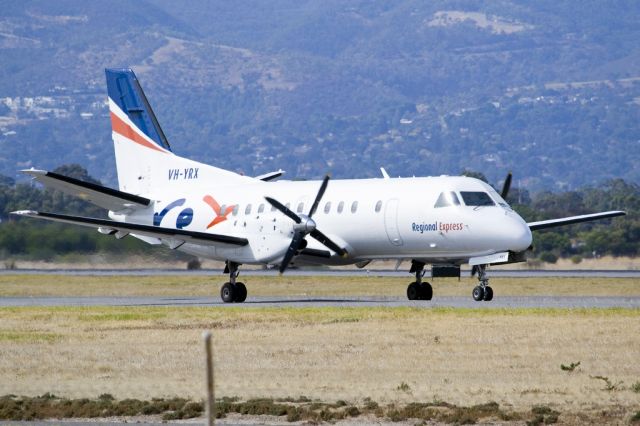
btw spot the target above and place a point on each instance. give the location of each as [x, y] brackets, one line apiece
[110, 199]
[552, 223]
[174, 237]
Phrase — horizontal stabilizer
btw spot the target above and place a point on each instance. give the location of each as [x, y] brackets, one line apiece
[175, 237]
[110, 199]
[552, 223]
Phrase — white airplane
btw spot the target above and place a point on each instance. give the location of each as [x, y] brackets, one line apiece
[214, 213]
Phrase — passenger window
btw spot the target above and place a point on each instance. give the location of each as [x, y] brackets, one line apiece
[327, 207]
[300, 207]
[340, 206]
[247, 210]
[223, 209]
[354, 207]
[288, 205]
[273, 208]
[476, 198]
[261, 208]
[235, 209]
[378, 206]
[447, 199]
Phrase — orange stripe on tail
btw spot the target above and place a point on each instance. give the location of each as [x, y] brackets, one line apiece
[123, 129]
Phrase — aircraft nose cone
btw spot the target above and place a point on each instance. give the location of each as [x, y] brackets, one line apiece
[519, 234]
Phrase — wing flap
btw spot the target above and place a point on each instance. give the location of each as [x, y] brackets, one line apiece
[175, 237]
[108, 198]
[552, 223]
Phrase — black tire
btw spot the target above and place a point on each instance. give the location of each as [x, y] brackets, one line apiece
[240, 293]
[426, 291]
[413, 291]
[227, 293]
[488, 294]
[478, 293]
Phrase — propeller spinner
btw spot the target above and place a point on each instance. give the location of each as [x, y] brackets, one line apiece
[304, 225]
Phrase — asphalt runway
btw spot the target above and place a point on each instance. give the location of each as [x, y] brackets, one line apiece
[521, 273]
[369, 301]
[300, 302]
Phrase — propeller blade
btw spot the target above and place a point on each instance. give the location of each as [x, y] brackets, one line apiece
[506, 186]
[316, 202]
[296, 243]
[278, 205]
[327, 242]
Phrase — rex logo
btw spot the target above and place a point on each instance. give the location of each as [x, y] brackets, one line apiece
[186, 215]
[221, 216]
[184, 218]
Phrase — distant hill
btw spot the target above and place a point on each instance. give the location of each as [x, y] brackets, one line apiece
[547, 89]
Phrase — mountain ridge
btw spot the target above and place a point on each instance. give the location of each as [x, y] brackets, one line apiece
[344, 87]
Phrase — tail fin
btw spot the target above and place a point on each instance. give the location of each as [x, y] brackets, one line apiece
[144, 158]
[126, 98]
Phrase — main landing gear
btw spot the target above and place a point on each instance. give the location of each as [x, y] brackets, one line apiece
[418, 290]
[233, 292]
[482, 291]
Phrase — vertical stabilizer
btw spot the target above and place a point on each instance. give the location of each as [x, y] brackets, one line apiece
[144, 158]
[125, 92]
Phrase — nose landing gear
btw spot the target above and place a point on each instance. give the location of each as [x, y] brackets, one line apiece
[232, 291]
[418, 290]
[482, 291]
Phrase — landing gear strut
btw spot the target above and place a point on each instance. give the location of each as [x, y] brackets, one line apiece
[418, 290]
[482, 291]
[233, 292]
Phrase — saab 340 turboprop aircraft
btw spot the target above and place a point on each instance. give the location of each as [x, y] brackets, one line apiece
[214, 213]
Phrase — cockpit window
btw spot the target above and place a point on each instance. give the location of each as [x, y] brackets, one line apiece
[447, 199]
[476, 198]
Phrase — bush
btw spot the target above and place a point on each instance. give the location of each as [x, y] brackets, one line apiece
[194, 264]
[548, 257]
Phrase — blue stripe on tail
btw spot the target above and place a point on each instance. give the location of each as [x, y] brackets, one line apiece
[124, 89]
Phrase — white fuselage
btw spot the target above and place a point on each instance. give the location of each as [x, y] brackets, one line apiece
[370, 218]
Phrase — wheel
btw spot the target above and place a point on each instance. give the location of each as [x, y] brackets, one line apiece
[413, 291]
[478, 293]
[240, 293]
[488, 293]
[227, 293]
[426, 291]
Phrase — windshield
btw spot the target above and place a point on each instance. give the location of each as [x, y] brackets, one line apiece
[476, 198]
[447, 199]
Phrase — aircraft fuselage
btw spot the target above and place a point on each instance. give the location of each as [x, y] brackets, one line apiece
[393, 218]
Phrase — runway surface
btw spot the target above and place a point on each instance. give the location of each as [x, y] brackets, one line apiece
[369, 301]
[300, 302]
[585, 273]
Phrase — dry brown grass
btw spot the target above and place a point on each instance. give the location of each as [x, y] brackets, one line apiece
[463, 357]
[194, 285]
[392, 355]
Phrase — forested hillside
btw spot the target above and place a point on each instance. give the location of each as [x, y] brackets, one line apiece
[547, 89]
